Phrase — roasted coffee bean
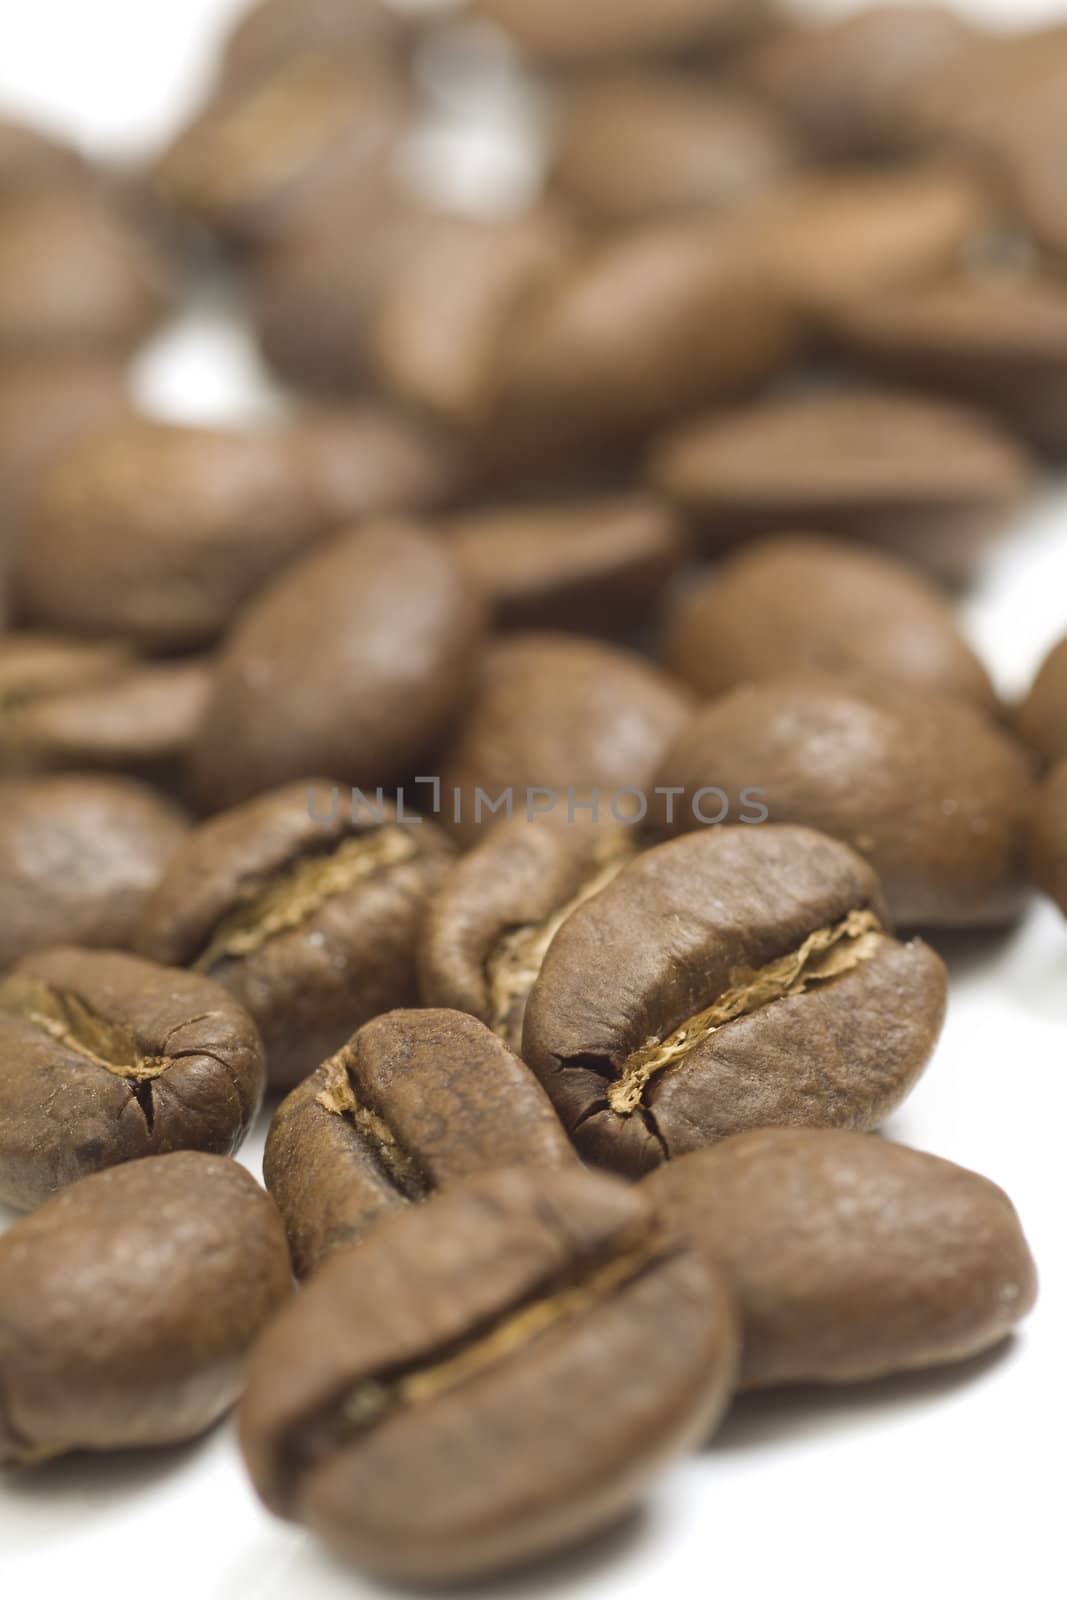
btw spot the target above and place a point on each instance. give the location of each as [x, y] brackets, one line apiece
[559, 715]
[34, 163]
[278, 154]
[629, 148]
[824, 241]
[863, 615]
[611, 30]
[272, 33]
[851, 1258]
[354, 663]
[129, 1303]
[69, 704]
[739, 978]
[489, 1377]
[847, 82]
[1048, 838]
[158, 533]
[104, 1058]
[44, 408]
[76, 279]
[305, 907]
[926, 480]
[417, 1101]
[1000, 341]
[595, 566]
[486, 929]
[1043, 714]
[79, 857]
[925, 787]
[371, 460]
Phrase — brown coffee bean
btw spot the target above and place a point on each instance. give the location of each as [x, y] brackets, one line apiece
[560, 715]
[613, 30]
[990, 99]
[370, 460]
[824, 241]
[739, 978]
[488, 1378]
[416, 1102]
[863, 615]
[926, 788]
[272, 33]
[595, 566]
[924, 479]
[629, 148]
[1048, 837]
[353, 663]
[487, 927]
[129, 1303]
[70, 704]
[305, 912]
[1042, 719]
[34, 163]
[851, 1258]
[76, 279]
[277, 154]
[79, 857]
[846, 82]
[104, 1058]
[999, 341]
[158, 533]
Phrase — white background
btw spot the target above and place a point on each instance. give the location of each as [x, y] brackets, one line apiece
[944, 1484]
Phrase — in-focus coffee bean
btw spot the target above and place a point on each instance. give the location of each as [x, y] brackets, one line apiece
[105, 1058]
[737, 978]
[1042, 717]
[129, 1303]
[305, 912]
[488, 1378]
[926, 788]
[415, 1102]
[851, 1257]
[79, 857]
[862, 615]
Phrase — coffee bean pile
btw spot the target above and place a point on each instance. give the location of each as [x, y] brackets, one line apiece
[545, 760]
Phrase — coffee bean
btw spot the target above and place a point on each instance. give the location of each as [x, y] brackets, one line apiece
[611, 30]
[863, 615]
[305, 913]
[77, 278]
[104, 1058]
[851, 1258]
[74, 704]
[595, 566]
[415, 1102]
[369, 460]
[487, 927]
[929, 481]
[738, 978]
[79, 857]
[561, 715]
[1000, 341]
[34, 163]
[637, 146]
[128, 1304]
[487, 1378]
[1043, 715]
[926, 788]
[277, 154]
[847, 82]
[158, 533]
[356, 662]
[1048, 840]
[271, 33]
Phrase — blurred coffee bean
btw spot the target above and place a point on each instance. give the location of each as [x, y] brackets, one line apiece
[803, 603]
[33, 162]
[367, 460]
[270, 34]
[1048, 837]
[566, 35]
[928, 481]
[79, 857]
[1043, 715]
[592, 566]
[354, 663]
[630, 148]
